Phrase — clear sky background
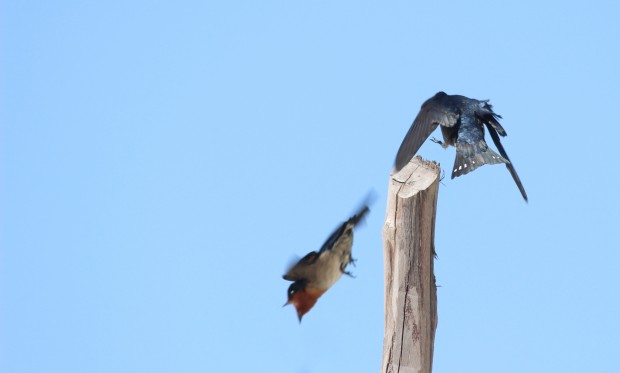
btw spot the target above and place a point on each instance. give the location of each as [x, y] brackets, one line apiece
[161, 162]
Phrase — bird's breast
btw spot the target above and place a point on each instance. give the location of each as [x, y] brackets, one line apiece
[327, 271]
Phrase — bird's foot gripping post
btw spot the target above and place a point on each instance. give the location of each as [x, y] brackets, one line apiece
[408, 250]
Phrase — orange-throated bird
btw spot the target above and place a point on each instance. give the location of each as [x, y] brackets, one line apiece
[316, 272]
[461, 119]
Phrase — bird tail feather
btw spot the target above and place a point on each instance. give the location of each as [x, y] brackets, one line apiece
[469, 157]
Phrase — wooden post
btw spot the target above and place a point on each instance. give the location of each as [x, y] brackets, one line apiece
[409, 251]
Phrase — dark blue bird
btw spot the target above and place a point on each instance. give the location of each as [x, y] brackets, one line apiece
[462, 121]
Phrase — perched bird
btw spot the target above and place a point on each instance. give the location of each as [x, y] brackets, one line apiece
[316, 272]
[461, 119]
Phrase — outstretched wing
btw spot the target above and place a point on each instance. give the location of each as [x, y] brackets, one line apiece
[438, 110]
[509, 166]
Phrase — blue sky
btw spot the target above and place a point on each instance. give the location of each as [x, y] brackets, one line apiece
[161, 162]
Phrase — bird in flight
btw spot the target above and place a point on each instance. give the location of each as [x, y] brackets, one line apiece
[316, 272]
[462, 121]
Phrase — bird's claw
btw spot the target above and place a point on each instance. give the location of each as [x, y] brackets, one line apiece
[348, 274]
[342, 269]
[436, 141]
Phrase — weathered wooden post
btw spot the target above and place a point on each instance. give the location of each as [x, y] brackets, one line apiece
[408, 251]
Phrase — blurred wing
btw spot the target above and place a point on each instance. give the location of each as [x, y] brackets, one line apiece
[333, 238]
[349, 224]
[509, 166]
[437, 110]
[294, 259]
[297, 270]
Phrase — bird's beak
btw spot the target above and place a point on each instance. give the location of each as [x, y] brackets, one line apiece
[287, 303]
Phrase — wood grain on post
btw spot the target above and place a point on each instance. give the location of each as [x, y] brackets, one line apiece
[408, 250]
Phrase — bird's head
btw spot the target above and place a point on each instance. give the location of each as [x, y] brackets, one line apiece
[303, 297]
